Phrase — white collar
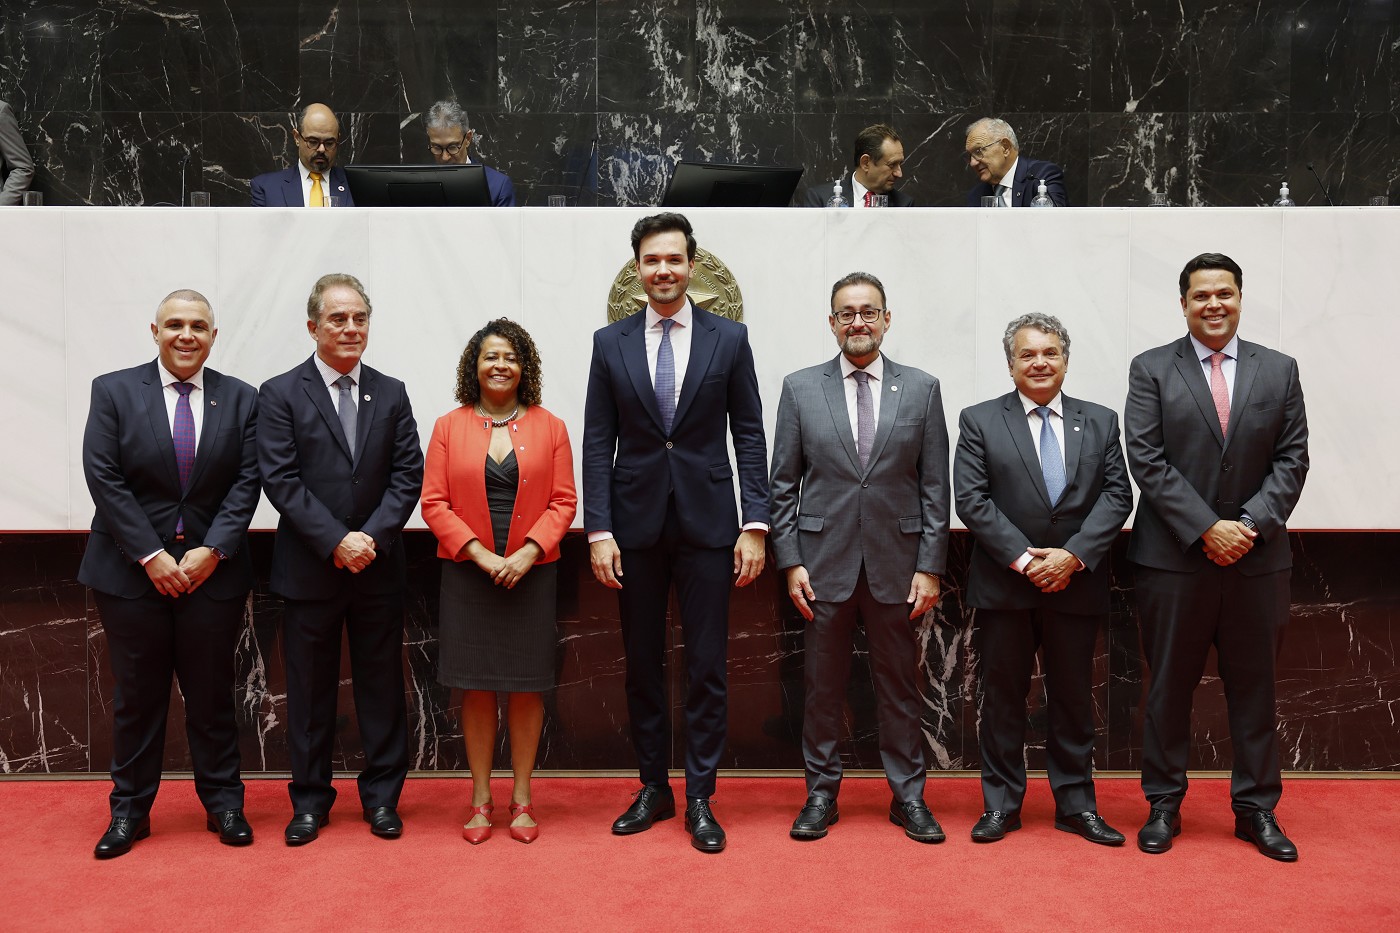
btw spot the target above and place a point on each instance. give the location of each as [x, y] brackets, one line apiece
[167, 377]
[329, 376]
[876, 369]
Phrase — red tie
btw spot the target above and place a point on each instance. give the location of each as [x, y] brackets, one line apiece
[867, 199]
[1219, 392]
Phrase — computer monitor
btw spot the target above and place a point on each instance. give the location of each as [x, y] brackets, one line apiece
[418, 185]
[718, 184]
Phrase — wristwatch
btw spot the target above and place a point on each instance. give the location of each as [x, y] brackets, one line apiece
[1248, 522]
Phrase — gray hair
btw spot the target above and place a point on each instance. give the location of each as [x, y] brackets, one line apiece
[446, 114]
[317, 299]
[858, 278]
[1045, 323]
[186, 294]
[997, 127]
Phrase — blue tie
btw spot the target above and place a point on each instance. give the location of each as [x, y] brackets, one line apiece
[1052, 465]
[666, 377]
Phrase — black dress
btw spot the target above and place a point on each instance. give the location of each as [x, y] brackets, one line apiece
[492, 638]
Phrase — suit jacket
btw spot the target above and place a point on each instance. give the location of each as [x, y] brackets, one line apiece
[501, 188]
[1029, 173]
[16, 167]
[454, 483]
[322, 494]
[1189, 476]
[631, 466]
[129, 463]
[830, 515]
[283, 189]
[818, 195]
[1000, 494]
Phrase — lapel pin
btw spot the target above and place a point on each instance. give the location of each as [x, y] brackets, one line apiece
[1076, 427]
[367, 398]
[213, 402]
[894, 388]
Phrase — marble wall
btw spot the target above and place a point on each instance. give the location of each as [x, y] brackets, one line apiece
[1339, 676]
[1210, 102]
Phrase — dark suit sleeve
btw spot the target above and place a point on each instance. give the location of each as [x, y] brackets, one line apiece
[400, 498]
[1091, 543]
[280, 467]
[1054, 179]
[1271, 506]
[933, 487]
[995, 533]
[746, 427]
[259, 192]
[504, 196]
[785, 483]
[122, 515]
[1170, 494]
[230, 526]
[599, 442]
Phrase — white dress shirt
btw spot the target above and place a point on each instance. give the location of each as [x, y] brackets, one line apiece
[877, 373]
[1227, 365]
[1009, 180]
[329, 376]
[1057, 424]
[326, 191]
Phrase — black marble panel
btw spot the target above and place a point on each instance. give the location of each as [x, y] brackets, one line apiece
[943, 61]
[548, 51]
[1354, 154]
[1040, 56]
[1139, 61]
[448, 49]
[251, 59]
[349, 56]
[841, 58]
[1238, 54]
[50, 55]
[1236, 159]
[237, 146]
[1134, 156]
[153, 59]
[744, 50]
[1342, 55]
[647, 56]
[144, 154]
[67, 148]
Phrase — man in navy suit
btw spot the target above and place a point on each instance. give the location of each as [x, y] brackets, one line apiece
[340, 460]
[450, 141]
[315, 179]
[992, 152]
[877, 165]
[658, 495]
[169, 457]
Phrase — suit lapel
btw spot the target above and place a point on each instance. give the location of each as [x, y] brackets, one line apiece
[632, 343]
[209, 429]
[293, 194]
[320, 397]
[1195, 379]
[369, 398]
[1246, 368]
[153, 396]
[834, 388]
[1074, 439]
[1018, 426]
[892, 390]
[703, 340]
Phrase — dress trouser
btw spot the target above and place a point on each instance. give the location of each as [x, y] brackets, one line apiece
[894, 665]
[703, 578]
[373, 625]
[151, 639]
[1007, 641]
[1183, 615]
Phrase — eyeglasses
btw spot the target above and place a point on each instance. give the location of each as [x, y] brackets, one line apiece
[846, 316]
[450, 149]
[977, 154]
[315, 142]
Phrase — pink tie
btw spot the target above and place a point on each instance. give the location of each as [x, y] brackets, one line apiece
[867, 199]
[1219, 392]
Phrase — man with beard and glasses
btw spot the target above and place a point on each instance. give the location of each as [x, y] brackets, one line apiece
[315, 179]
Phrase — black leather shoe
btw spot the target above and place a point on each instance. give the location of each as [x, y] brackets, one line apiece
[232, 828]
[1261, 828]
[649, 805]
[705, 832]
[121, 835]
[1089, 825]
[1157, 833]
[384, 822]
[916, 819]
[816, 815]
[303, 828]
[994, 825]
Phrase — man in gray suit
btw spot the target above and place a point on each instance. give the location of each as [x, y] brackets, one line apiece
[1039, 480]
[860, 528]
[16, 167]
[1218, 443]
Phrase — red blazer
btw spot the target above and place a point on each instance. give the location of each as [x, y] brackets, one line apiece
[454, 482]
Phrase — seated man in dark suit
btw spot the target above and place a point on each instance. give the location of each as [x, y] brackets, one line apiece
[876, 167]
[170, 461]
[450, 141]
[993, 153]
[315, 179]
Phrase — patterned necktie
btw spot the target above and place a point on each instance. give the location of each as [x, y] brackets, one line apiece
[183, 436]
[346, 405]
[1052, 465]
[1219, 392]
[867, 199]
[318, 196]
[1004, 195]
[865, 417]
[666, 377]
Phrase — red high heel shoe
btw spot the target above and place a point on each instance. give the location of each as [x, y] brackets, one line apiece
[476, 835]
[525, 834]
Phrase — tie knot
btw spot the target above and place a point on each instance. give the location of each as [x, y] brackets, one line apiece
[1043, 411]
[861, 376]
[315, 176]
[1217, 358]
[666, 325]
[184, 388]
[344, 382]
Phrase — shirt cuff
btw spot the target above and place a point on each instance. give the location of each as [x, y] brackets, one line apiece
[755, 526]
[596, 536]
[149, 557]
[1019, 564]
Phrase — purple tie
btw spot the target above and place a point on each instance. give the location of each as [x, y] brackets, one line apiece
[865, 417]
[183, 436]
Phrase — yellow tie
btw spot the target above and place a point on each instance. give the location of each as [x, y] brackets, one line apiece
[318, 197]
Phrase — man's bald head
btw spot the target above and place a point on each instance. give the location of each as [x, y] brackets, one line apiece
[318, 135]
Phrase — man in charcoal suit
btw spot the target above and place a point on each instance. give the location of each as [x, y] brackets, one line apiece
[315, 179]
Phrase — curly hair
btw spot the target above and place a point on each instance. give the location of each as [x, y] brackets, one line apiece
[531, 380]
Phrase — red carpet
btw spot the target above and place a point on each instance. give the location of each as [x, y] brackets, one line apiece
[865, 875]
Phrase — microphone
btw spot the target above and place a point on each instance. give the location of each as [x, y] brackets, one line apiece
[184, 170]
[584, 176]
[1321, 185]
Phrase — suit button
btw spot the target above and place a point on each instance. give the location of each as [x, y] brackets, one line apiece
[1225, 467]
[668, 445]
[864, 485]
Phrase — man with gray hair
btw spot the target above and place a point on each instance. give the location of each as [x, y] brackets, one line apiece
[450, 140]
[1039, 480]
[991, 151]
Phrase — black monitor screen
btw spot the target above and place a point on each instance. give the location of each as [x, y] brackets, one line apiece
[717, 184]
[418, 185]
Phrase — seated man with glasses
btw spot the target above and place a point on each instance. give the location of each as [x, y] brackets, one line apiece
[315, 179]
[877, 166]
[993, 153]
[450, 142]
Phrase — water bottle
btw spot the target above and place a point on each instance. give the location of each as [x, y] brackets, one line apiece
[836, 199]
[1041, 199]
[1283, 199]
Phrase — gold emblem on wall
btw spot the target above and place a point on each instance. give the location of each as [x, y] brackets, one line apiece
[712, 287]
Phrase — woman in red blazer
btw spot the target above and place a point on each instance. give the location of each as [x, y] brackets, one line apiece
[498, 491]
